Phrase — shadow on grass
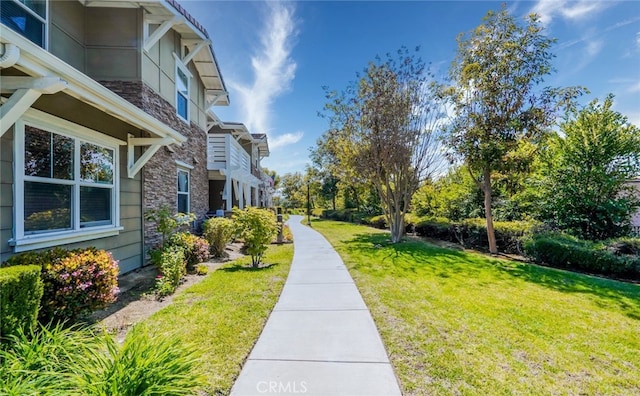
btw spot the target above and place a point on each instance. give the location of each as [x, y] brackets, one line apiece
[419, 256]
[247, 267]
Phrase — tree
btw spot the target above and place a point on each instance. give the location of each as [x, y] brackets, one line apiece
[497, 104]
[386, 125]
[585, 186]
[293, 190]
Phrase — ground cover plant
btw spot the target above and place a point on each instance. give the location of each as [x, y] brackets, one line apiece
[225, 313]
[462, 323]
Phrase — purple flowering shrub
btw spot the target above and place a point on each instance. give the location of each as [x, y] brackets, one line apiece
[76, 282]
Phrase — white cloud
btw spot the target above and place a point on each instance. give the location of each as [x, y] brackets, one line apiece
[638, 39]
[571, 10]
[634, 87]
[284, 140]
[273, 69]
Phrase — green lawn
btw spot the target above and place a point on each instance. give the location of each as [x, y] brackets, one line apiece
[462, 323]
[224, 314]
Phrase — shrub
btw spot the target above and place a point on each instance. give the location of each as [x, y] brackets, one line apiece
[287, 236]
[168, 222]
[257, 228]
[379, 222]
[80, 361]
[472, 233]
[76, 282]
[219, 232]
[196, 249]
[20, 293]
[437, 228]
[172, 267]
[564, 251]
[202, 269]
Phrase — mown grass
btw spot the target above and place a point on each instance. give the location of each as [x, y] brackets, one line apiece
[462, 323]
[224, 314]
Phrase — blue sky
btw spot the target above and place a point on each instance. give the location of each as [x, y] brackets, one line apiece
[275, 57]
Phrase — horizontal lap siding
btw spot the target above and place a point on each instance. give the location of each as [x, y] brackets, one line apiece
[6, 194]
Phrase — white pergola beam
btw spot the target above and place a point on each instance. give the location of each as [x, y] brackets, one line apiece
[164, 27]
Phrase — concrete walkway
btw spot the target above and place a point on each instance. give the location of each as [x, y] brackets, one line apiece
[320, 338]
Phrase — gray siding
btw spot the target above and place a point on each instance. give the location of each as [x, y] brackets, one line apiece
[113, 40]
[6, 194]
[67, 31]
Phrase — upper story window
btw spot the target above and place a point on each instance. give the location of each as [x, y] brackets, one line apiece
[27, 17]
[182, 89]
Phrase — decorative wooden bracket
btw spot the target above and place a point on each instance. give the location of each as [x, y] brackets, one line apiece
[165, 26]
[134, 166]
[194, 51]
[24, 92]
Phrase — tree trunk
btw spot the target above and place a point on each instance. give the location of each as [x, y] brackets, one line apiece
[396, 227]
[333, 201]
[491, 235]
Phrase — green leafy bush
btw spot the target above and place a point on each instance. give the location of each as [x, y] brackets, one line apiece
[472, 233]
[167, 222]
[20, 293]
[84, 362]
[257, 228]
[172, 266]
[196, 249]
[218, 231]
[76, 282]
[564, 251]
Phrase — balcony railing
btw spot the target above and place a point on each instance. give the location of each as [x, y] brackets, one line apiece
[223, 152]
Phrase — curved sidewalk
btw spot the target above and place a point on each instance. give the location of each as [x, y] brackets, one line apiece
[320, 338]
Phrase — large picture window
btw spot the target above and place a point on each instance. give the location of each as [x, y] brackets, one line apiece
[65, 184]
[27, 17]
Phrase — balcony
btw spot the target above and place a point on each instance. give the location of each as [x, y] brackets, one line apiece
[224, 153]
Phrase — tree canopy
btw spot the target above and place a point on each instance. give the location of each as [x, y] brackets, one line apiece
[499, 107]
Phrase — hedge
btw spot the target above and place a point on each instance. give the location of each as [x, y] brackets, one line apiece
[20, 293]
[564, 251]
[472, 233]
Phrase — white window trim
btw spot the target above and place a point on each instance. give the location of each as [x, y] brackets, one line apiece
[185, 70]
[47, 122]
[45, 20]
[188, 193]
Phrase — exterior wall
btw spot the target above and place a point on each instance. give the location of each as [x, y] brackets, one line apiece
[6, 194]
[67, 32]
[159, 73]
[103, 43]
[113, 39]
[127, 245]
[160, 173]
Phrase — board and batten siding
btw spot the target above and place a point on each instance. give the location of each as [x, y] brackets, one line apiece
[158, 72]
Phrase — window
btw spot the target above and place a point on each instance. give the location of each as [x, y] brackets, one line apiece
[27, 17]
[183, 191]
[182, 89]
[66, 184]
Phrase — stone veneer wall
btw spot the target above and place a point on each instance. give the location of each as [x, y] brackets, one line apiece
[160, 174]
